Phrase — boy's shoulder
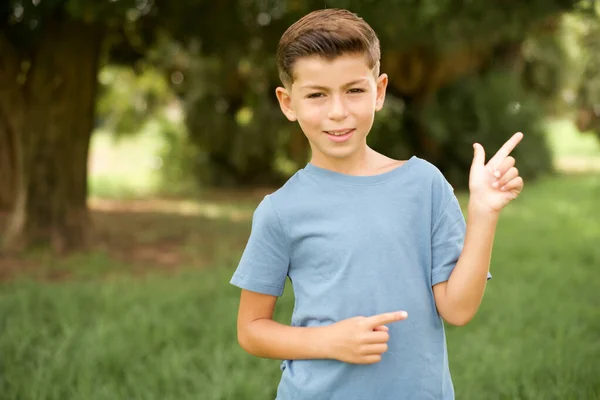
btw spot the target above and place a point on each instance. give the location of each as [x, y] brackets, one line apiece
[425, 168]
[429, 173]
[290, 191]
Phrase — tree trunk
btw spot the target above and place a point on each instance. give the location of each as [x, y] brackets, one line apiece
[11, 123]
[49, 113]
[8, 173]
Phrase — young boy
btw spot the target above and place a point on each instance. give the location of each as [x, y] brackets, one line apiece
[377, 250]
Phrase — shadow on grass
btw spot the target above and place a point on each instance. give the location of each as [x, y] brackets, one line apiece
[146, 236]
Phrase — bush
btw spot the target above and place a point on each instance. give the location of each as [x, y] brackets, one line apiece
[388, 133]
[487, 109]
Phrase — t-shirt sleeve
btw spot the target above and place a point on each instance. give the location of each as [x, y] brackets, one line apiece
[447, 239]
[264, 264]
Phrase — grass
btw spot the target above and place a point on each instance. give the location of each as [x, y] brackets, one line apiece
[537, 333]
[172, 336]
[144, 339]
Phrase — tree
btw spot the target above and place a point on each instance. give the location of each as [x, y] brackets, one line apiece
[50, 53]
[51, 50]
[428, 47]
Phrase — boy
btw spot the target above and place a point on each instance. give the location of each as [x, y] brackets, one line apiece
[366, 241]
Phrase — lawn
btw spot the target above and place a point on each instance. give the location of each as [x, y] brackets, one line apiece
[97, 331]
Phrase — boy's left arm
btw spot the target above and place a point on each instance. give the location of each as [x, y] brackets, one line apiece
[492, 186]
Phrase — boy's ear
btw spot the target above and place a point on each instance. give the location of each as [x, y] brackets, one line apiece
[285, 102]
[382, 82]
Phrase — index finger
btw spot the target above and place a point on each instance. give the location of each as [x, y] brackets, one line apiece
[506, 149]
[386, 318]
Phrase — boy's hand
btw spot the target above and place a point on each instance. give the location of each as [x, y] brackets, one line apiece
[361, 340]
[497, 183]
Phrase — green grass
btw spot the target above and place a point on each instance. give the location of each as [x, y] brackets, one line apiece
[143, 339]
[537, 335]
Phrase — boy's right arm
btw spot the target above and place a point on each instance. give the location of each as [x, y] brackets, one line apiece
[358, 340]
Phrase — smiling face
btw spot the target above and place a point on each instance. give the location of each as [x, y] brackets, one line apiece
[334, 102]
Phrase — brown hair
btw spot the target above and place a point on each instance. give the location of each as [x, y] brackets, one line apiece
[328, 33]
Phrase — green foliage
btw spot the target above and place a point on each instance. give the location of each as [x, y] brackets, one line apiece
[219, 57]
[128, 98]
[231, 111]
[233, 118]
[488, 109]
[115, 11]
[125, 166]
[563, 64]
[181, 162]
[450, 23]
[388, 134]
[105, 11]
[129, 26]
[588, 88]
[568, 143]
[400, 23]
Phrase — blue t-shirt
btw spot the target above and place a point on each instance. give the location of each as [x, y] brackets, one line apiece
[360, 246]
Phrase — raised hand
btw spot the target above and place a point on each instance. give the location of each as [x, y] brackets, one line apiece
[497, 183]
[361, 340]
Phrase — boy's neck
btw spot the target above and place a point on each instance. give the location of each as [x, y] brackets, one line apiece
[364, 162]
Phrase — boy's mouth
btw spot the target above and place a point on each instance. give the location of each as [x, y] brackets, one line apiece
[340, 135]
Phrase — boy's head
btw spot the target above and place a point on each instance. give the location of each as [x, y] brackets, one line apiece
[328, 63]
[329, 34]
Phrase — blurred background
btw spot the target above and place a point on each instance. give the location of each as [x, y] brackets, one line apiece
[138, 136]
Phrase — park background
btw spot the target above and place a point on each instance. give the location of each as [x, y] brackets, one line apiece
[138, 136]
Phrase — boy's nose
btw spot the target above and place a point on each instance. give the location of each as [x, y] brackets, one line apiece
[337, 109]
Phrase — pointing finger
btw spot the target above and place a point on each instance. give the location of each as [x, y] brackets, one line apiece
[386, 318]
[505, 150]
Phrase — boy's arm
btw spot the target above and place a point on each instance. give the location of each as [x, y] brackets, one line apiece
[359, 340]
[259, 335]
[492, 187]
[458, 298]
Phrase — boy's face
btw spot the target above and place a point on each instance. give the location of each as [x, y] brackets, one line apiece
[334, 103]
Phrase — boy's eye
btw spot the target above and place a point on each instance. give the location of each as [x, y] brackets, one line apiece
[356, 90]
[314, 95]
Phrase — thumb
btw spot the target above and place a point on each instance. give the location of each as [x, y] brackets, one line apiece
[479, 154]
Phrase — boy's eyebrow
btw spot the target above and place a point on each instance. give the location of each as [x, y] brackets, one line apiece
[318, 87]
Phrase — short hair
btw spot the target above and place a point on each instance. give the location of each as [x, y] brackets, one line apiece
[327, 33]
